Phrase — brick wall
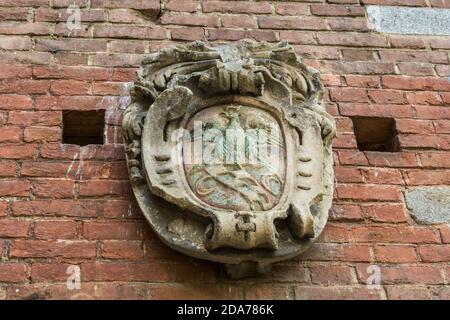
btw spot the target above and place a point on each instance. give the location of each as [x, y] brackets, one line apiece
[63, 205]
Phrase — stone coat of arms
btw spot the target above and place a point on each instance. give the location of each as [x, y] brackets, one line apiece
[229, 152]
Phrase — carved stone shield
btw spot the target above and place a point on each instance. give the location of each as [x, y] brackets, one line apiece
[229, 152]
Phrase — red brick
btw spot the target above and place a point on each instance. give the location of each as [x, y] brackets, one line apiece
[376, 110]
[357, 67]
[349, 175]
[435, 159]
[79, 45]
[149, 6]
[335, 233]
[128, 32]
[395, 253]
[415, 83]
[236, 7]
[363, 81]
[345, 212]
[407, 42]
[442, 126]
[55, 229]
[197, 291]
[337, 252]
[104, 188]
[190, 19]
[386, 159]
[359, 55]
[40, 118]
[14, 71]
[414, 3]
[388, 212]
[14, 14]
[267, 292]
[151, 272]
[413, 56]
[13, 272]
[118, 249]
[101, 170]
[15, 43]
[14, 228]
[382, 176]
[10, 134]
[424, 97]
[429, 141]
[53, 188]
[405, 274]
[17, 151]
[42, 134]
[352, 39]
[348, 24]
[331, 275]
[432, 112]
[445, 233]
[49, 272]
[366, 192]
[292, 9]
[288, 23]
[83, 73]
[427, 177]
[69, 87]
[416, 69]
[352, 157]
[345, 141]
[435, 253]
[46, 169]
[112, 230]
[348, 95]
[337, 10]
[233, 34]
[239, 22]
[408, 293]
[335, 293]
[413, 126]
[14, 188]
[182, 5]
[57, 208]
[3, 208]
[52, 249]
[387, 97]
[390, 234]
[298, 37]
[187, 34]
[15, 102]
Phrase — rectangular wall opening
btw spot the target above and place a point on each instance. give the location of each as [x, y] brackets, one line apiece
[375, 134]
[83, 127]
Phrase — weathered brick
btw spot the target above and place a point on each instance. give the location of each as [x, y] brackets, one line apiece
[54, 188]
[405, 274]
[14, 228]
[112, 230]
[14, 188]
[237, 7]
[434, 253]
[57, 208]
[55, 229]
[331, 275]
[13, 272]
[395, 253]
[52, 249]
[366, 192]
[122, 249]
[388, 212]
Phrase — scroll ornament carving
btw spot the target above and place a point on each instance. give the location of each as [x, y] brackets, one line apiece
[229, 152]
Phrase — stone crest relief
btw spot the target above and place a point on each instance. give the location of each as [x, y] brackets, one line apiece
[229, 152]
